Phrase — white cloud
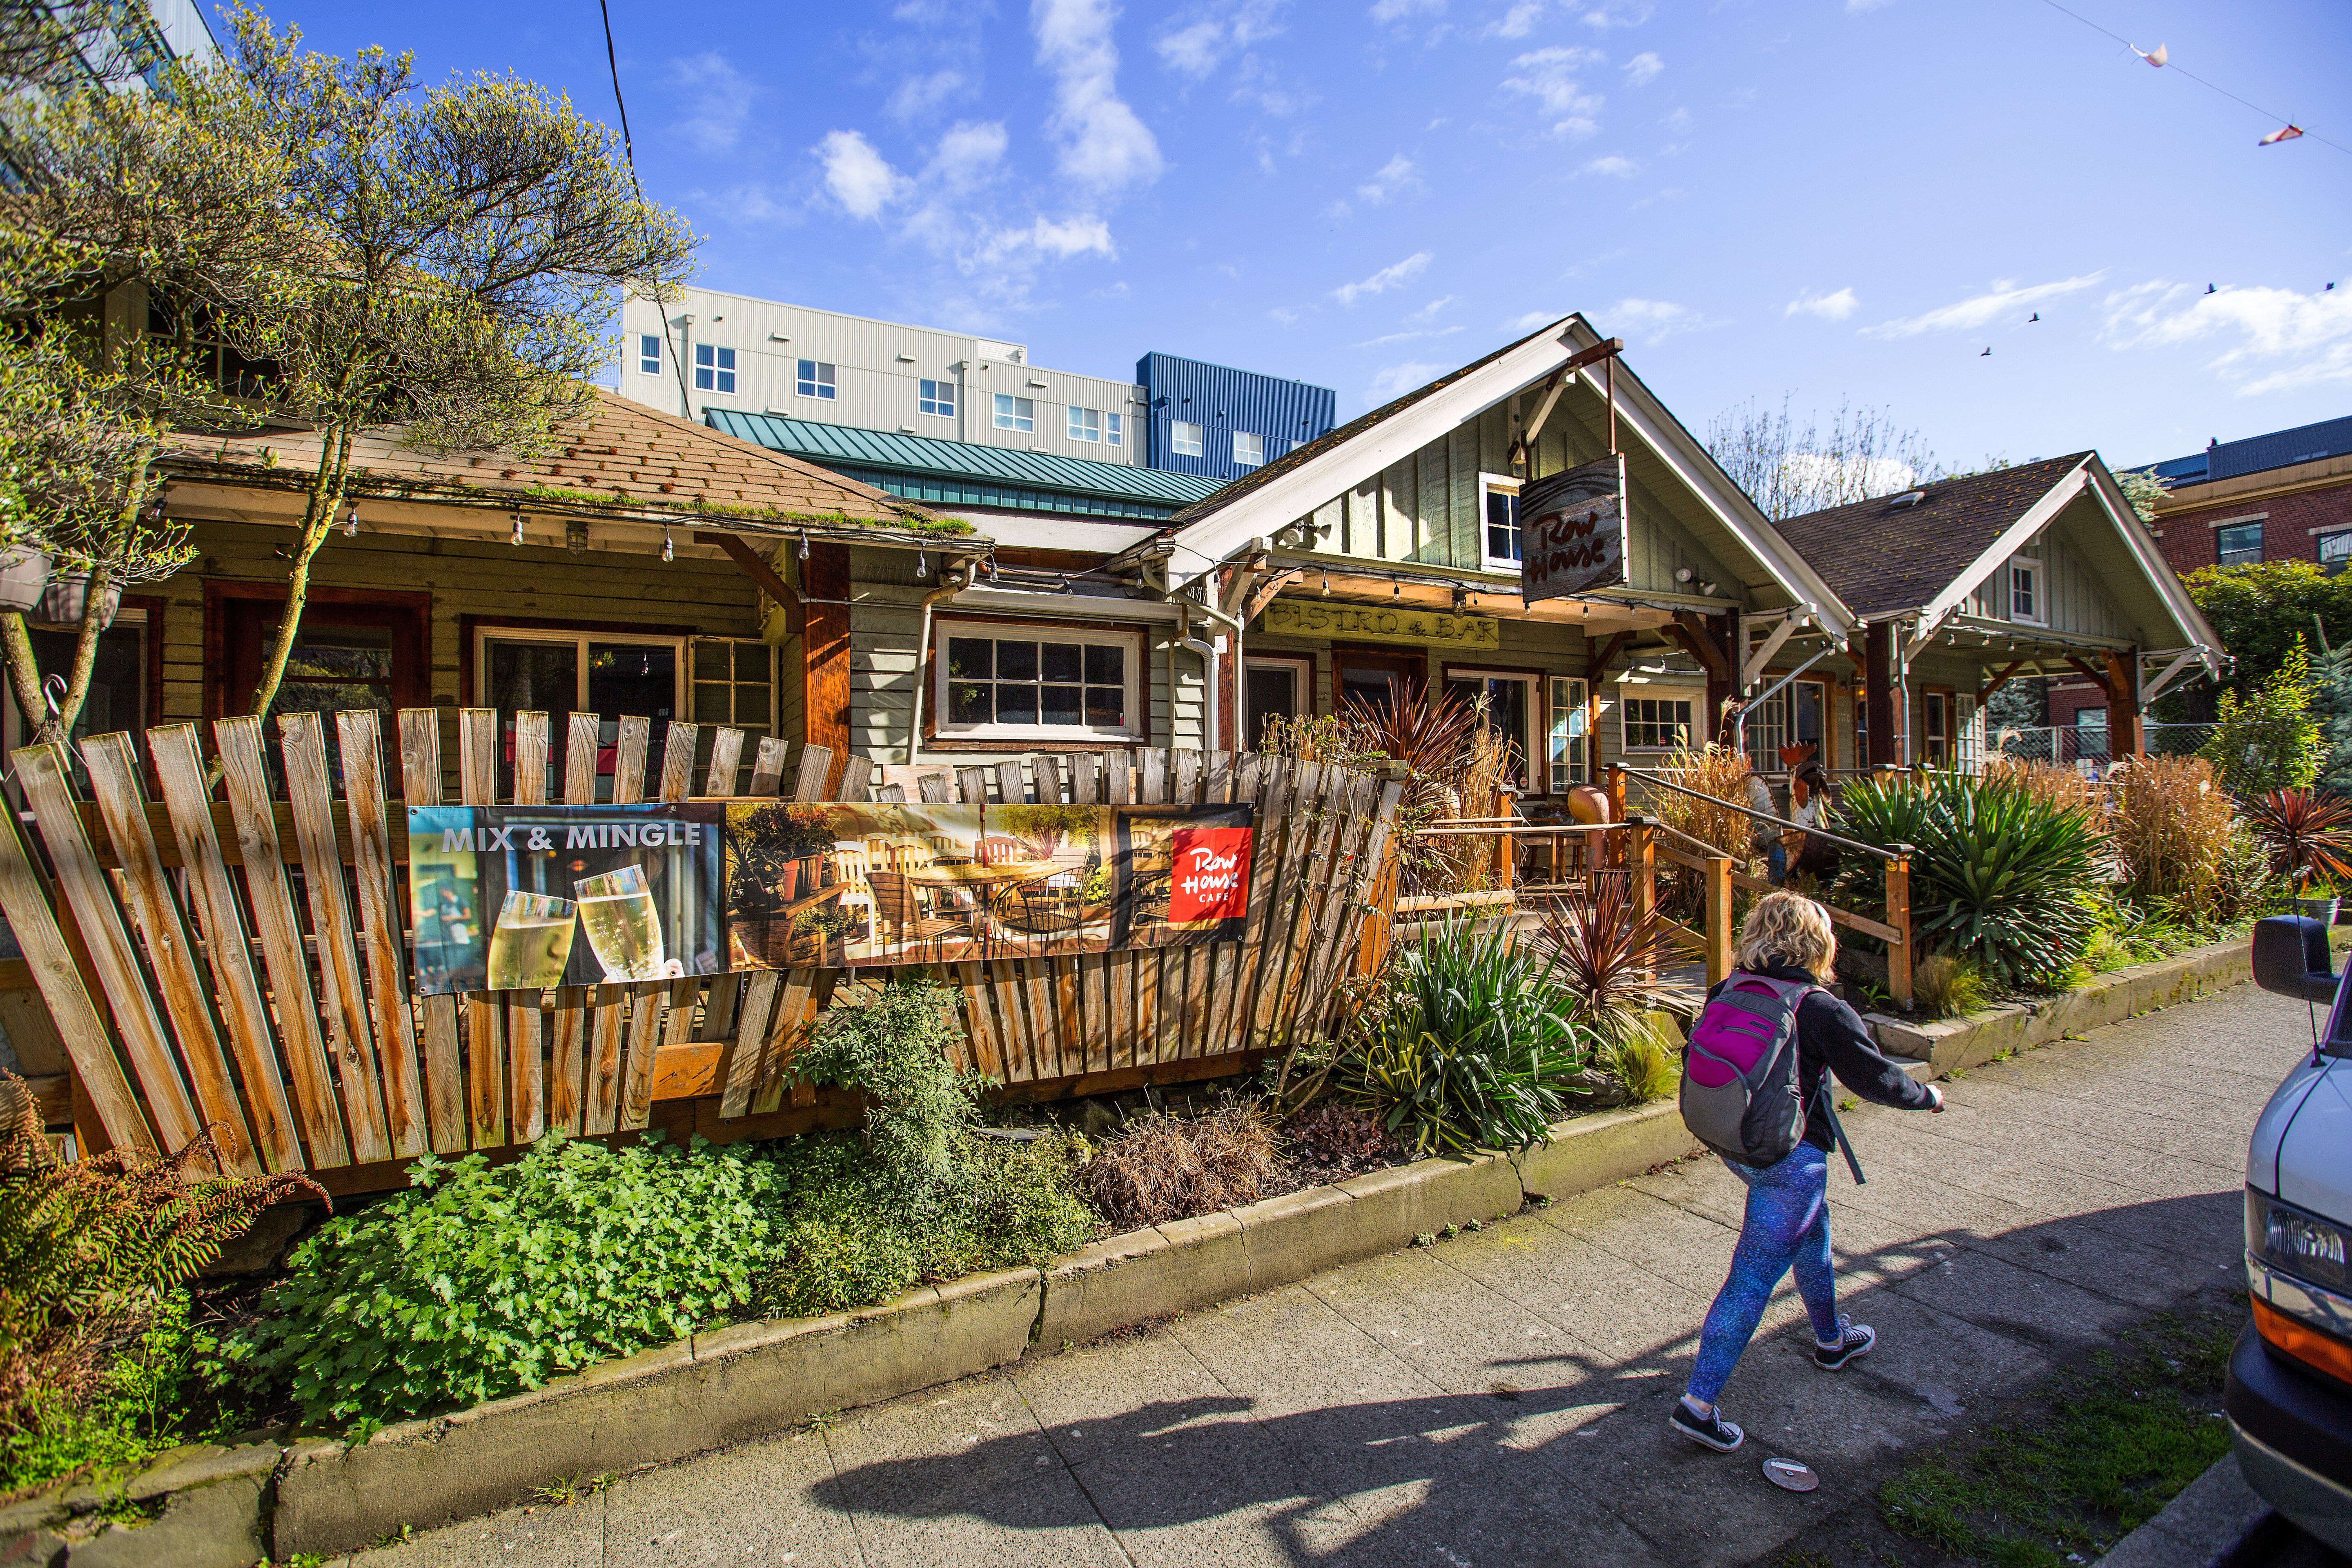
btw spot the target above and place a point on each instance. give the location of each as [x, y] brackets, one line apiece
[1653, 321]
[1285, 315]
[1104, 145]
[720, 96]
[860, 178]
[969, 153]
[1834, 307]
[1408, 337]
[2004, 298]
[1431, 311]
[2273, 340]
[918, 95]
[1614, 166]
[1644, 68]
[1549, 75]
[1396, 177]
[1521, 326]
[1083, 236]
[1395, 275]
[1394, 380]
[1619, 14]
[1518, 21]
[1198, 47]
[1397, 10]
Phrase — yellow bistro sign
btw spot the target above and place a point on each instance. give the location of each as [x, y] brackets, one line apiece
[1373, 623]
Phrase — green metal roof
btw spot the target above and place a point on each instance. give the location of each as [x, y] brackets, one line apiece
[927, 469]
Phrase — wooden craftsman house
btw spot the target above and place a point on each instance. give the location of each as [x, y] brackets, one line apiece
[1961, 586]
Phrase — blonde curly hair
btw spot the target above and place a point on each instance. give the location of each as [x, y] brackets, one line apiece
[1787, 928]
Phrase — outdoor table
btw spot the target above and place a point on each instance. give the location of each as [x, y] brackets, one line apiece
[985, 881]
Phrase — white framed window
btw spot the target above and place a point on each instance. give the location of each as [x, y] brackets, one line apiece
[1277, 687]
[714, 368]
[1514, 707]
[1185, 439]
[1046, 677]
[1968, 732]
[1113, 429]
[2335, 551]
[1085, 424]
[1566, 742]
[2026, 604]
[560, 671]
[2238, 544]
[1015, 413]
[649, 353]
[814, 378]
[937, 397]
[1790, 717]
[1660, 722]
[1249, 450]
[1936, 728]
[1498, 522]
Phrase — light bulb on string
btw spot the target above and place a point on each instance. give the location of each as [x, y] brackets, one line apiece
[1327, 584]
[351, 520]
[922, 564]
[669, 550]
[517, 529]
[805, 544]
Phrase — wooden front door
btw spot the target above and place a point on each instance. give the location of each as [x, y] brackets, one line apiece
[1364, 675]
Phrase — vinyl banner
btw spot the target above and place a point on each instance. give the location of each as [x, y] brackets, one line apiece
[850, 886]
[1572, 530]
[521, 898]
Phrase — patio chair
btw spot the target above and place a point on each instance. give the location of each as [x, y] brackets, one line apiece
[851, 864]
[898, 905]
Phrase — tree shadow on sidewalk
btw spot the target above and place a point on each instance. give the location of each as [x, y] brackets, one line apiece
[1566, 1457]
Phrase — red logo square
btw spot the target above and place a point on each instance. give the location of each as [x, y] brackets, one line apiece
[1213, 867]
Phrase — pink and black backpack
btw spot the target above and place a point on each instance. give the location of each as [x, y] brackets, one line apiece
[1740, 1093]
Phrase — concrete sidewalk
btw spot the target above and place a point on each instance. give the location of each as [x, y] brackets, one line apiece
[1501, 1397]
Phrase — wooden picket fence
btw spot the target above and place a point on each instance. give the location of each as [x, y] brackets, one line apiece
[235, 958]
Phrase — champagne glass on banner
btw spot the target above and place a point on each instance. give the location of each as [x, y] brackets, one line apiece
[623, 927]
[531, 943]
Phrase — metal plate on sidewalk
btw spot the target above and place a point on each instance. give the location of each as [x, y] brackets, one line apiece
[1790, 1475]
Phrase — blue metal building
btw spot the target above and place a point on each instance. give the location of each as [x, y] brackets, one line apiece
[2253, 454]
[1221, 422]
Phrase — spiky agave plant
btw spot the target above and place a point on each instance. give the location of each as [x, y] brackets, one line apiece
[2308, 834]
[1606, 955]
[1430, 738]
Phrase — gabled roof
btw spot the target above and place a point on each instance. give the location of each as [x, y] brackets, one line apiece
[968, 473]
[1881, 555]
[620, 458]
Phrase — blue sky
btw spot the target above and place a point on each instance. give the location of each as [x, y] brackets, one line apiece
[1834, 199]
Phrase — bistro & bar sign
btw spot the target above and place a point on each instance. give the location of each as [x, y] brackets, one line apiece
[1376, 623]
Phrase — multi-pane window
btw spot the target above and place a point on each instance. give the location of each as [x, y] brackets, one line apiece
[1565, 742]
[2025, 593]
[937, 397]
[732, 683]
[1113, 429]
[714, 368]
[649, 353]
[1501, 522]
[997, 678]
[2238, 544]
[1184, 439]
[1085, 424]
[2334, 552]
[1656, 723]
[1015, 413]
[560, 673]
[1249, 450]
[1790, 717]
[814, 378]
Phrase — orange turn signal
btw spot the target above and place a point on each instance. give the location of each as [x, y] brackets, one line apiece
[2294, 1337]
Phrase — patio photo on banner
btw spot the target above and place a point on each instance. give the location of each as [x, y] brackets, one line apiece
[851, 886]
[522, 897]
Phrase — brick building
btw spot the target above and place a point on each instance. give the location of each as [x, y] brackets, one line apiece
[2284, 496]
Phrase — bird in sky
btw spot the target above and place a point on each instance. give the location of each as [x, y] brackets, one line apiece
[2208, 288]
[2037, 316]
[1987, 354]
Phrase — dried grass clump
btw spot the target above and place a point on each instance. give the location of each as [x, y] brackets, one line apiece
[2058, 784]
[1164, 1167]
[1947, 986]
[2169, 823]
[1334, 1136]
[1717, 771]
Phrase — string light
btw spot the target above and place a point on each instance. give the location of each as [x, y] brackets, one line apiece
[517, 529]
[669, 551]
[1327, 584]
[804, 543]
[351, 520]
[922, 564]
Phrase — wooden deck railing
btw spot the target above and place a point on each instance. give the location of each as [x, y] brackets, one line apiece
[230, 957]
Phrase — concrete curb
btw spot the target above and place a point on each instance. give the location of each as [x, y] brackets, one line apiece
[227, 1508]
[2204, 1527]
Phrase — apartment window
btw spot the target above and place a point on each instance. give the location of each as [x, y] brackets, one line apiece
[714, 368]
[1015, 413]
[1018, 679]
[813, 378]
[1510, 711]
[1276, 690]
[1566, 742]
[1085, 424]
[2238, 544]
[1113, 429]
[1790, 717]
[2025, 601]
[1655, 724]
[1499, 510]
[1185, 439]
[2334, 552]
[937, 397]
[649, 353]
[563, 672]
[1249, 451]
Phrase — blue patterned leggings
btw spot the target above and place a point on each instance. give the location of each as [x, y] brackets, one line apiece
[1788, 1224]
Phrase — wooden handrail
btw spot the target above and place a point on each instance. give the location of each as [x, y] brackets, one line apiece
[1753, 815]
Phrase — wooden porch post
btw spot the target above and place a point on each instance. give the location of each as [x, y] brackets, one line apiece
[1878, 676]
[1718, 918]
[823, 653]
[1642, 859]
[1898, 915]
[2125, 734]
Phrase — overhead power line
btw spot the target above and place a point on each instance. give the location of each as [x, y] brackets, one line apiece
[2210, 86]
[629, 153]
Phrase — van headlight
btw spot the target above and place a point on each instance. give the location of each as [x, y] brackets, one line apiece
[2295, 1242]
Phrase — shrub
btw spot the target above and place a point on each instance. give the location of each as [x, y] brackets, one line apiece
[89, 1251]
[1472, 1050]
[894, 1047]
[2308, 836]
[2053, 782]
[1647, 1058]
[1161, 1168]
[1946, 986]
[2266, 738]
[481, 1279]
[1999, 873]
[2170, 825]
[2245, 885]
[1717, 771]
[1607, 958]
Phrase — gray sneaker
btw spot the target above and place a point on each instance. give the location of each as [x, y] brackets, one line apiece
[1708, 1431]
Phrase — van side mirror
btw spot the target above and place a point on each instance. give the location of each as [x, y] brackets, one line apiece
[2290, 958]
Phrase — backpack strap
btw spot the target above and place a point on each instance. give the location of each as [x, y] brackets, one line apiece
[1829, 1101]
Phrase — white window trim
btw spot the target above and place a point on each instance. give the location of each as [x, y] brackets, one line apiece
[1579, 718]
[1536, 744]
[722, 363]
[819, 386]
[1132, 667]
[484, 635]
[1785, 702]
[1083, 425]
[1242, 463]
[1113, 429]
[1489, 483]
[2041, 616]
[943, 400]
[1008, 418]
[1628, 693]
[1176, 446]
[1300, 668]
[649, 363]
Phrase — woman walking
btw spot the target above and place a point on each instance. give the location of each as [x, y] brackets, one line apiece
[1788, 938]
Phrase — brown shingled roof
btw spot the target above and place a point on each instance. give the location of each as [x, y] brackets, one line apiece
[619, 457]
[1879, 557]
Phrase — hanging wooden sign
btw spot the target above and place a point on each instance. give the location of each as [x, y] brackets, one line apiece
[1572, 530]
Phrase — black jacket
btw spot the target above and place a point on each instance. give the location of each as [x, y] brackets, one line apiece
[1832, 1037]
